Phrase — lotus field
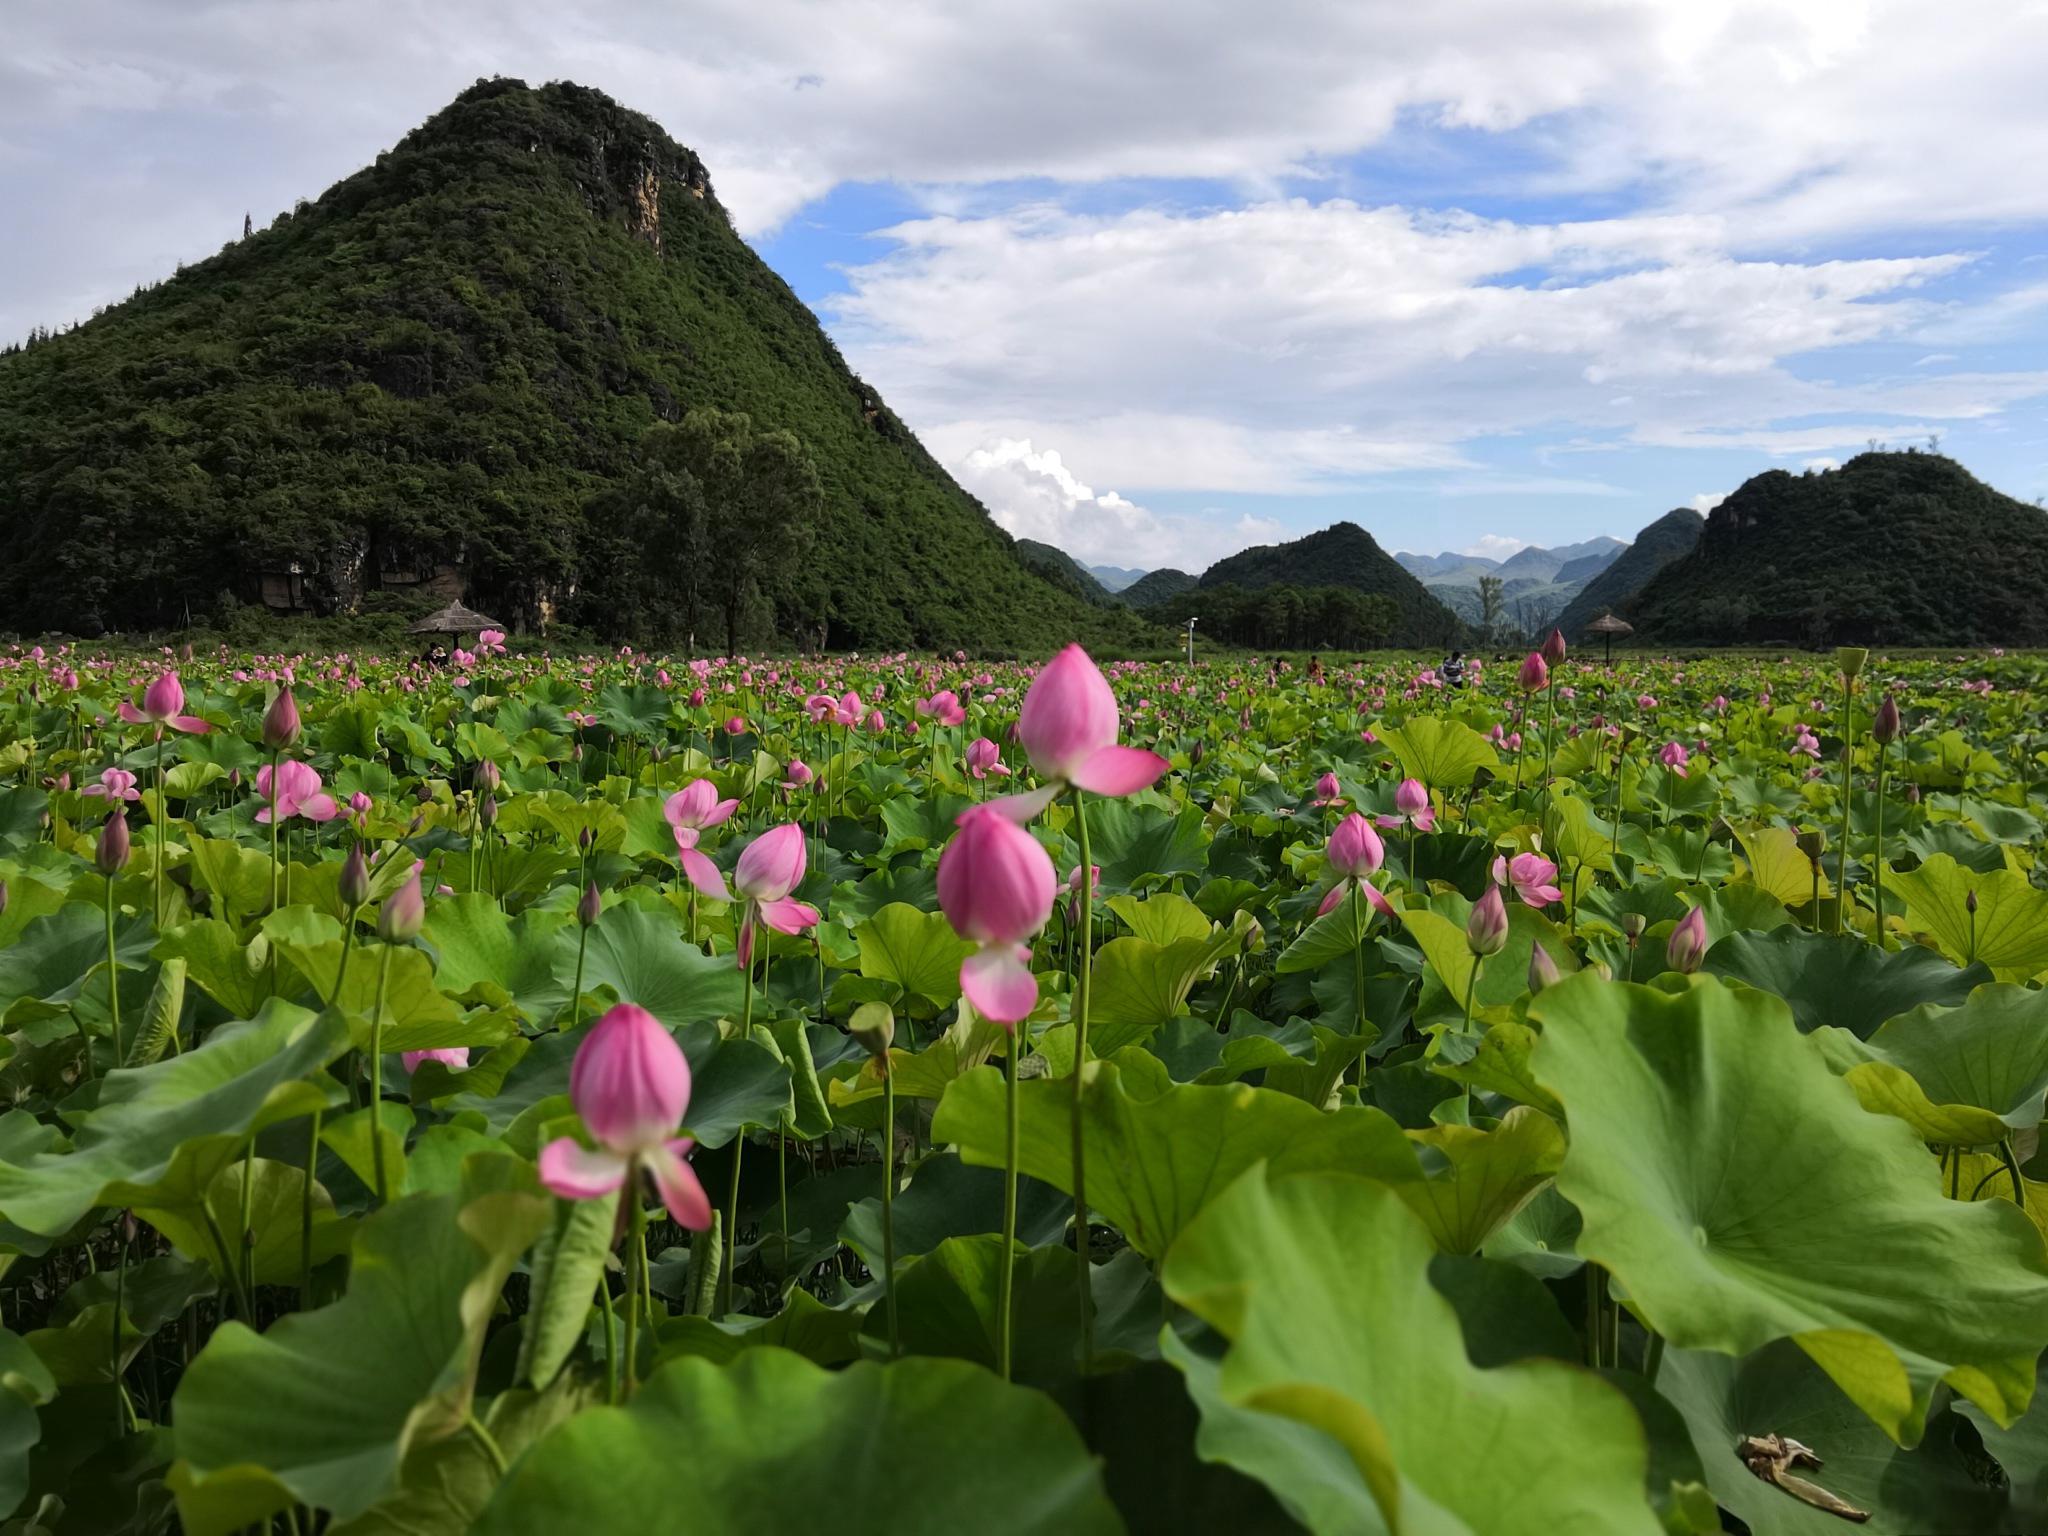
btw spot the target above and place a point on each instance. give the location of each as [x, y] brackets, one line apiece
[906, 1094]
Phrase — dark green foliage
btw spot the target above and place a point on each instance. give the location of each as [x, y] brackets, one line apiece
[1157, 586]
[1892, 548]
[1672, 537]
[1290, 618]
[441, 363]
[1342, 555]
[1064, 572]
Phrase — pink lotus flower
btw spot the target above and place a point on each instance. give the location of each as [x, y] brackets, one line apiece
[1674, 756]
[875, 724]
[1355, 852]
[163, 703]
[359, 807]
[1486, 930]
[1074, 890]
[769, 868]
[1328, 791]
[1535, 673]
[1533, 877]
[291, 789]
[996, 887]
[847, 711]
[1411, 808]
[455, 1058]
[942, 708]
[114, 784]
[1553, 648]
[736, 726]
[631, 1084]
[819, 707]
[984, 757]
[1068, 727]
[491, 642]
[1687, 946]
[797, 775]
[691, 811]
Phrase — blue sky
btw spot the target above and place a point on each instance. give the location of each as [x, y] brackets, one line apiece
[1156, 285]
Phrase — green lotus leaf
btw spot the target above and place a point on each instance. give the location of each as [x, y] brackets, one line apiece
[2009, 930]
[1967, 1076]
[948, 1198]
[1840, 979]
[916, 951]
[641, 957]
[1444, 754]
[778, 1444]
[1163, 917]
[1138, 986]
[823, 1335]
[481, 954]
[1776, 865]
[1487, 1175]
[322, 1408]
[1158, 1151]
[196, 1109]
[1136, 845]
[1321, 1283]
[57, 956]
[1741, 1194]
[568, 1263]
[1501, 1065]
[275, 1213]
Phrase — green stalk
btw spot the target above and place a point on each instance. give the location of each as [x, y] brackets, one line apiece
[1877, 859]
[114, 1341]
[1005, 1283]
[377, 1079]
[1358, 985]
[889, 1208]
[1549, 737]
[274, 866]
[113, 989]
[248, 1257]
[1848, 760]
[1653, 1357]
[1082, 977]
[157, 875]
[306, 1218]
[611, 1353]
[636, 1242]
[576, 993]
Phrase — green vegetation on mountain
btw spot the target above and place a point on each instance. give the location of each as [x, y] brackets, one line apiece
[445, 366]
[1892, 548]
[1064, 572]
[1155, 587]
[1286, 617]
[1672, 537]
[1343, 555]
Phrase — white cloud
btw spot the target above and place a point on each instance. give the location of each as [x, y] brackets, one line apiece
[1492, 546]
[1706, 501]
[1822, 463]
[1033, 494]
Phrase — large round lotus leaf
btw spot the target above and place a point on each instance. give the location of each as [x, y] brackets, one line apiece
[1741, 1194]
[774, 1443]
[1157, 1150]
[1841, 979]
[1321, 1282]
[1779, 1391]
[1962, 1077]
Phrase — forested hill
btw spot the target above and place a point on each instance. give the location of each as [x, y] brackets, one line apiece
[1891, 548]
[435, 369]
[1342, 555]
[1672, 537]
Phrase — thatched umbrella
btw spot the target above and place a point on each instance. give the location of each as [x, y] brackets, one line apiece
[1607, 626]
[455, 619]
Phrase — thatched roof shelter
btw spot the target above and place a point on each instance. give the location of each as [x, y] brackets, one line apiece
[1607, 626]
[455, 619]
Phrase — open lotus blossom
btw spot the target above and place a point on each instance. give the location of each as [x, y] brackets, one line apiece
[692, 811]
[1674, 756]
[163, 703]
[996, 887]
[984, 757]
[1533, 877]
[491, 642]
[847, 711]
[454, 1057]
[1411, 808]
[291, 788]
[942, 708]
[769, 868]
[1355, 853]
[114, 784]
[630, 1082]
[797, 775]
[1068, 727]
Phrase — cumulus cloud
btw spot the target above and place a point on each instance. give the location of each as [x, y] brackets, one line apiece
[1706, 501]
[1495, 546]
[1033, 494]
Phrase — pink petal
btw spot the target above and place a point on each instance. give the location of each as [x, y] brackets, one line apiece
[135, 716]
[192, 725]
[1021, 807]
[263, 818]
[678, 1184]
[1335, 895]
[323, 808]
[998, 981]
[575, 1172]
[703, 874]
[789, 915]
[1118, 771]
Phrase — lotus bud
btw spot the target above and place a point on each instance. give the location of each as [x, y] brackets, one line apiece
[1687, 946]
[1486, 930]
[281, 721]
[1632, 925]
[590, 906]
[1849, 659]
[487, 813]
[1543, 970]
[112, 853]
[487, 777]
[1534, 674]
[418, 822]
[3, 897]
[1553, 648]
[234, 778]
[1813, 843]
[1195, 755]
[1970, 903]
[586, 839]
[354, 884]
[403, 912]
[1912, 794]
[1884, 730]
[873, 1025]
[1254, 942]
[577, 754]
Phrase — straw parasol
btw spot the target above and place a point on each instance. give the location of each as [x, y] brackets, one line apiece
[1607, 626]
[455, 619]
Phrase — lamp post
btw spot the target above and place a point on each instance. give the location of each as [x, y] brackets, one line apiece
[1191, 640]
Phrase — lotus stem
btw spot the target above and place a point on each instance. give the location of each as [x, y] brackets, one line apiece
[1085, 965]
[1006, 1281]
[377, 1078]
[889, 1207]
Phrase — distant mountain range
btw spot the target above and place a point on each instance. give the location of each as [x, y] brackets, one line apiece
[1114, 578]
[1536, 583]
[1670, 538]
